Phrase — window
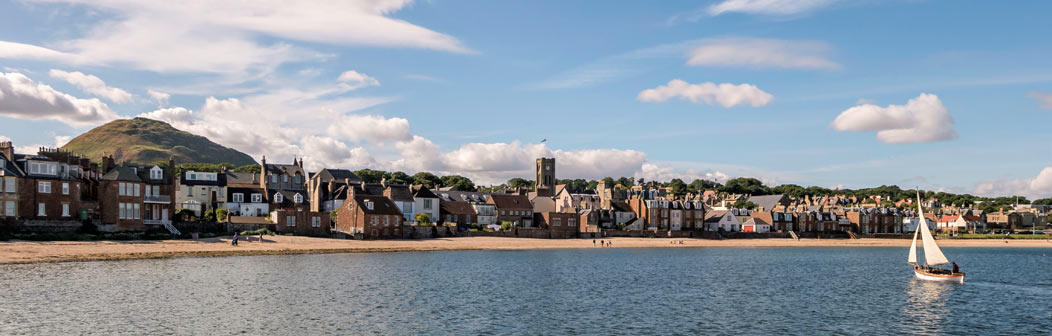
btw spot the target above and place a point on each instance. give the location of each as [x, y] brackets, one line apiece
[278, 198]
[155, 173]
[40, 210]
[239, 198]
[502, 213]
[44, 187]
[369, 205]
[557, 221]
[148, 190]
[136, 188]
[192, 176]
[219, 192]
[374, 220]
[42, 168]
[9, 208]
[65, 210]
[315, 221]
[204, 191]
[427, 204]
[290, 220]
[298, 198]
[297, 179]
[273, 178]
[257, 198]
[9, 184]
[189, 191]
[157, 190]
[123, 211]
[137, 212]
[285, 178]
[387, 220]
[120, 189]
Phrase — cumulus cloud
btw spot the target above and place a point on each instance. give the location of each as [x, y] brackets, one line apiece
[229, 37]
[22, 98]
[1036, 187]
[768, 7]
[160, 97]
[725, 94]
[762, 53]
[922, 119]
[93, 85]
[1044, 98]
[320, 152]
[373, 128]
[354, 79]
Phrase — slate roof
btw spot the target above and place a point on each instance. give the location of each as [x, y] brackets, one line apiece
[287, 169]
[381, 205]
[10, 168]
[287, 198]
[241, 178]
[714, 216]
[466, 196]
[247, 192]
[620, 206]
[423, 192]
[511, 202]
[123, 173]
[768, 202]
[456, 208]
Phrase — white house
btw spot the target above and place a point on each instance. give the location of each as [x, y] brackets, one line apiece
[722, 219]
[247, 202]
[425, 202]
[756, 225]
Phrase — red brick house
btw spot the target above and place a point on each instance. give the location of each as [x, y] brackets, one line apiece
[53, 185]
[457, 213]
[369, 216]
[301, 222]
[515, 209]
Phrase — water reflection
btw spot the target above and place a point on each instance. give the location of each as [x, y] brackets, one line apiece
[926, 304]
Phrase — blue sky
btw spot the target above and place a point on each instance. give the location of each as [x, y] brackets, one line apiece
[821, 92]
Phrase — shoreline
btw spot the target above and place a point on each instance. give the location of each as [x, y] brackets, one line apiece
[30, 252]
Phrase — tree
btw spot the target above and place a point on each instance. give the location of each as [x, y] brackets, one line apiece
[574, 185]
[592, 185]
[423, 219]
[679, 188]
[746, 185]
[790, 189]
[641, 181]
[427, 179]
[370, 176]
[610, 182]
[458, 183]
[251, 168]
[397, 178]
[698, 185]
[221, 214]
[625, 181]
[332, 216]
[743, 204]
[519, 182]
[1043, 201]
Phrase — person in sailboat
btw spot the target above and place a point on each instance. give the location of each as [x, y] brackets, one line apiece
[955, 268]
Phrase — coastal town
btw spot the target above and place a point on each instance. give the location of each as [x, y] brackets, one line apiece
[55, 191]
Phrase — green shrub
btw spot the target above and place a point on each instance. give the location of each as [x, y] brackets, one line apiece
[222, 214]
[257, 232]
[505, 226]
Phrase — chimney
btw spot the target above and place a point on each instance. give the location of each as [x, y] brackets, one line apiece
[107, 164]
[351, 191]
[332, 187]
[263, 172]
[7, 150]
[301, 163]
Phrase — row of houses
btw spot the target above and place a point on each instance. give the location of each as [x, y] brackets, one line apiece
[54, 185]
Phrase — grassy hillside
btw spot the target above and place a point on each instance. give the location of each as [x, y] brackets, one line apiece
[142, 140]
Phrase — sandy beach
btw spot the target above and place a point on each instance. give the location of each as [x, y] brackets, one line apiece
[31, 252]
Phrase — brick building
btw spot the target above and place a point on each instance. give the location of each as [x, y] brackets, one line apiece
[53, 186]
[10, 177]
[514, 209]
[369, 216]
[301, 222]
[457, 213]
[135, 197]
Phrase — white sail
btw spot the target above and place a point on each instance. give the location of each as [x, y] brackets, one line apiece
[913, 248]
[932, 254]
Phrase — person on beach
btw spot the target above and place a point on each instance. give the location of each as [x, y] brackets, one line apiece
[602, 243]
[234, 241]
[261, 237]
[593, 242]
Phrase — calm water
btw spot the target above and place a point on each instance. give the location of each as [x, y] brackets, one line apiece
[593, 291]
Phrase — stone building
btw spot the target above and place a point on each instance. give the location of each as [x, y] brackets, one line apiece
[369, 216]
[545, 177]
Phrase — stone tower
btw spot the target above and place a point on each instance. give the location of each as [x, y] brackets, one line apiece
[545, 177]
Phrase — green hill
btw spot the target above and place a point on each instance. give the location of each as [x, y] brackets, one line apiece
[142, 140]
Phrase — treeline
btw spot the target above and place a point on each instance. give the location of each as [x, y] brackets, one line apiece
[430, 180]
[210, 167]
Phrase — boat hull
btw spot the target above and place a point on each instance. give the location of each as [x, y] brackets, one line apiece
[955, 277]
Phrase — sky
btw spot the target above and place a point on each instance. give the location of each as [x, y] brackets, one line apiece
[838, 94]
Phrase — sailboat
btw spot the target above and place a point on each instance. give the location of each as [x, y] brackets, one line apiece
[932, 254]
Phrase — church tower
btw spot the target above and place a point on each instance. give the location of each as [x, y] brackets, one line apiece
[545, 177]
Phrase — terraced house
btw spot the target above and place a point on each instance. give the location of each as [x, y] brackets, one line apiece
[53, 185]
[10, 176]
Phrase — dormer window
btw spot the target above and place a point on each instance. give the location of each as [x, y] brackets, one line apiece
[156, 173]
[278, 198]
[257, 198]
[369, 205]
[298, 198]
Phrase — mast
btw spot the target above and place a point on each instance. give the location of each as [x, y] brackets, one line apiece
[932, 254]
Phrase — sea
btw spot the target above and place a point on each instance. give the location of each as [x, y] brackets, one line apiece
[601, 291]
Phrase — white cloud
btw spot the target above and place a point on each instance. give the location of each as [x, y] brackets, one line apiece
[372, 128]
[160, 97]
[227, 37]
[762, 53]
[1036, 187]
[768, 7]
[320, 152]
[354, 80]
[1044, 98]
[62, 140]
[922, 119]
[93, 85]
[22, 98]
[725, 94]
